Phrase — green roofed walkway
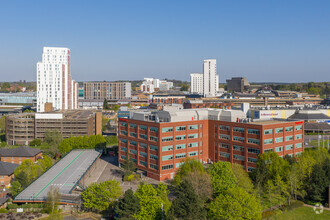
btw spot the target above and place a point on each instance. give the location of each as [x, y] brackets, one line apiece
[64, 175]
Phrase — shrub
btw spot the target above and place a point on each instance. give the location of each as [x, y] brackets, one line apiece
[12, 206]
[3, 210]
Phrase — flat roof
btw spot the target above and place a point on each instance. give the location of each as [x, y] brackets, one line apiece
[64, 175]
[268, 122]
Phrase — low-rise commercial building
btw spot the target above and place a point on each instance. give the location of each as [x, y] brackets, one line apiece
[199, 103]
[158, 142]
[21, 129]
[18, 155]
[6, 173]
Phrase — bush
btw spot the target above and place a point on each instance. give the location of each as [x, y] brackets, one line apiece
[269, 213]
[3, 210]
[12, 206]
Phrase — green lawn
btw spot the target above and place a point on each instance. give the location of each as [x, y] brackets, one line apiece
[302, 213]
[315, 143]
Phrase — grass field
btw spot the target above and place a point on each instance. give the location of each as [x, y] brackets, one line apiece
[315, 143]
[302, 213]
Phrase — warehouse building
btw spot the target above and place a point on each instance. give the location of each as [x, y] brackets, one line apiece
[158, 142]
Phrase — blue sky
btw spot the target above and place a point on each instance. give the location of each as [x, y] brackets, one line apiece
[273, 40]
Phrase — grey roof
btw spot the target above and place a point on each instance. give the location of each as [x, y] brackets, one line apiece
[23, 151]
[7, 168]
[3, 200]
[309, 116]
[317, 126]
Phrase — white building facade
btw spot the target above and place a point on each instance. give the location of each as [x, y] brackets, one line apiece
[54, 82]
[206, 83]
[150, 84]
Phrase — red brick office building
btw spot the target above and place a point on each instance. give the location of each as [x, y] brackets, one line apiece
[158, 142]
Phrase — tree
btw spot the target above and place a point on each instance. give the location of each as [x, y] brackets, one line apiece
[188, 166]
[235, 204]
[128, 205]
[53, 137]
[115, 107]
[15, 188]
[243, 179]
[5, 85]
[112, 140]
[2, 124]
[105, 104]
[201, 184]
[52, 202]
[26, 172]
[318, 184]
[105, 122]
[187, 204]
[35, 142]
[184, 87]
[128, 166]
[100, 196]
[222, 176]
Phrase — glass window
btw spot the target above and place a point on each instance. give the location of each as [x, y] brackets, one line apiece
[253, 131]
[298, 127]
[268, 131]
[153, 129]
[268, 150]
[180, 128]
[251, 169]
[143, 127]
[289, 138]
[168, 129]
[223, 154]
[153, 166]
[154, 157]
[152, 147]
[238, 157]
[225, 128]
[123, 124]
[289, 128]
[123, 149]
[299, 145]
[289, 147]
[180, 137]
[253, 150]
[123, 157]
[194, 153]
[279, 139]
[153, 138]
[166, 139]
[180, 146]
[237, 129]
[132, 134]
[194, 144]
[168, 157]
[145, 164]
[123, 132]
[167, 167]
[143, 136]
[224, 145]
[133, 152]
[143, 154]
[167, 148]
[240, 139]
[121, 139]
[253, 141]
[133, 143]
[193, 127]
[143, 145]
[268, 141]
[298, 136]
[177, 165]
[132, 125]
[177, 156]
[278, 130]
[224, 136]
[252, 160]
[191, 136]
[298, 154]
[278, 149]
[239, 148]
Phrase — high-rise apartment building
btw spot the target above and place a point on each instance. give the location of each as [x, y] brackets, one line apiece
[54, 82]
[206, 83]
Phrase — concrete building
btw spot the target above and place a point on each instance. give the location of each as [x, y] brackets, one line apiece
[200, 103]
[159, 142]
[18, 98]
[54, 82]
[206, 83]
[237, 84]
[107, 90]
[150, 85]
[21, 129]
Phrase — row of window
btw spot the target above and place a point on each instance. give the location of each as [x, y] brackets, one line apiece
[280, 130]
[180, 137]
[141, 127]
[280, 139]
[181, 128]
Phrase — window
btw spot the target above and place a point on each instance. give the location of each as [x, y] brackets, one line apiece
[193, 127]
[278, 130]
[201, 135]
[253, 150]
[132, 134]
[226, 146]
[289, 147]
[253, 141]
[123, 149]
[153, 166]
[268, 141]
[225, 128]
[153, 129]
[167, 167]
[121, 139]
[180, 137]
[201, 143]
[298, 127]
[154, 157]
[268, 131]
[298, 154]
[180, 146]
[133, 152]
[223, 154]
[289, 128]
[153, 138]
[123, 132]
[201, 152]
[238, 157]
[251, 169]
[123, 157]
[168, 129]
[177, 156]
[298, 136]
[279, 139]
[143, 154]
[124, 124]
[240, 139]
[278, 149]
[132, 143]
[177, 165]
[299, 145]
[239, 148]
[168, 157]
[167, 148]
[237, 129]
[194, 153]
[180, 128]
[166, 139]
[143, 136]
[143, 127]
[194, 144]
[268, 150]
[224, 136]
[152, 147]
[289, 138]
[132, 125]
[145, 164]
[253, 131]
[143, 145]
[191, 136]
[252, 160]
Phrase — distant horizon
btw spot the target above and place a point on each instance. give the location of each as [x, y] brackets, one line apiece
[276, 41]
